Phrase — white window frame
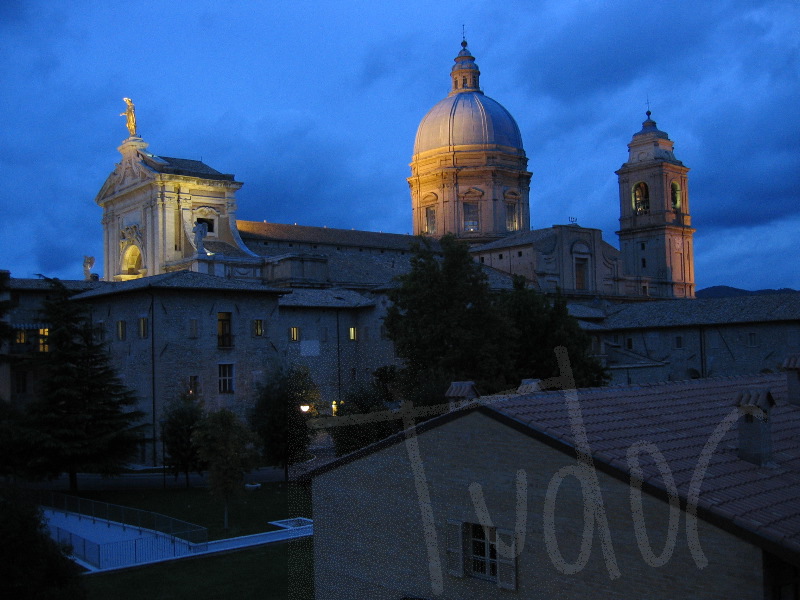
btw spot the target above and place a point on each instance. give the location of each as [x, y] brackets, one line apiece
[458, 537]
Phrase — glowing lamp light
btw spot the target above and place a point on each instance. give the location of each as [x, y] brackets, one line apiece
[304, 407]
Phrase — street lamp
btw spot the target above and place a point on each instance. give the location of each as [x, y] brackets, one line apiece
[305, 407]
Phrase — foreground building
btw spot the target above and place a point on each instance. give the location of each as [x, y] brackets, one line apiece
[589, 493]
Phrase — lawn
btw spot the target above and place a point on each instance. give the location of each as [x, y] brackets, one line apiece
[263, 572]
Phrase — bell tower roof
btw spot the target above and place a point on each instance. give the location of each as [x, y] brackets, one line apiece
[651, 144]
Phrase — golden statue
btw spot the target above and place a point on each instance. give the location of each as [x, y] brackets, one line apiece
[130, 115]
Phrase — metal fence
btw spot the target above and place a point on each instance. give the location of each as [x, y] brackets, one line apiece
[122, 515]
[160, 537]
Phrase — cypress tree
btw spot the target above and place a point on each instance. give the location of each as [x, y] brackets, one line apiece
[83, 415]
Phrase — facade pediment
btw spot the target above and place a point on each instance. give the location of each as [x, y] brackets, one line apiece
[128, 175]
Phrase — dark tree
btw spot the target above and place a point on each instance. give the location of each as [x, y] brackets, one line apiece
[355, 429]
[228, 447]
[181, 418]
[32, 565]
[448, 326]
[537, 326]
[83, 414]
[277, 419]
[443, 319]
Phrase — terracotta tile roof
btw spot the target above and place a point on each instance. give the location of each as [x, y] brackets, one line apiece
[77, 285]
[186, 280]
[708, 311]
[257, 231]
[522, 238]
[184, 166]
[679, 418]
[326, 298]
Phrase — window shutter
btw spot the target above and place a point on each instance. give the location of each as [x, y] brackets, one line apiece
[507, 565]
[455, 548]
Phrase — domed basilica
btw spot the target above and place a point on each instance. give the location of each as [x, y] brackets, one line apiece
[469, 177]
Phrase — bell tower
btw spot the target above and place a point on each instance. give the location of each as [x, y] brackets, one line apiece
[655, 226]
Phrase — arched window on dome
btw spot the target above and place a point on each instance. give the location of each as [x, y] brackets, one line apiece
[675, 195]
[429, 226]
[640, 198]
[463, 82]
[512, 221]
[471, 219]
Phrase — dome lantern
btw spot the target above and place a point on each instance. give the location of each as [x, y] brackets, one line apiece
[465, 74]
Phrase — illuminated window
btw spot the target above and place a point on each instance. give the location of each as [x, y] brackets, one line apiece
[641, 198]
[44, 340]
[20, 336]
[430, 220]
[121, 330]
[224, 334]
[353, 334]
[472, 551]
[294, 334]
[226, 379]
[675, 193]
[471, 222]
[511, 217]
[143, 327]
[258, 327]
[192, 328]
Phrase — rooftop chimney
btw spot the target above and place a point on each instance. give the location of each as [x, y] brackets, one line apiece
[792, 367]
[461, 393]
[755, 438]
[529, 386]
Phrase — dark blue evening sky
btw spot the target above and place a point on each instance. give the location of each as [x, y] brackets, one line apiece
[314, 106]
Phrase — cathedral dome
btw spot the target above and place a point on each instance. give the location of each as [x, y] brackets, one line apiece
[467, 116]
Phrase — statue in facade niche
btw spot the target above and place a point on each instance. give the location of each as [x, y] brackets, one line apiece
[130, 115]
[200, 232]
